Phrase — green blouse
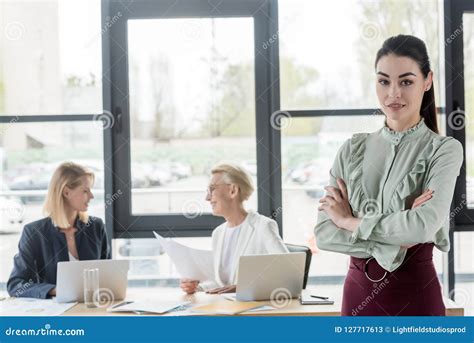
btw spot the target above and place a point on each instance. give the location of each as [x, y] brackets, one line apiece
[384, 172]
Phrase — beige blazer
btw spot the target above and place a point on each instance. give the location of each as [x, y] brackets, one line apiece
[258, 235]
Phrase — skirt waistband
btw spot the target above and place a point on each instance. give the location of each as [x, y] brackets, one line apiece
[417, 255]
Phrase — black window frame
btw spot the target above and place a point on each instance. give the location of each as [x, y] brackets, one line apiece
[115, 66]
[455, 102]
[462, 220]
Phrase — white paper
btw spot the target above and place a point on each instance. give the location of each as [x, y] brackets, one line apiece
[261, 308]
[148, 306]
[33, 307]
[194, 264]
[230, 296]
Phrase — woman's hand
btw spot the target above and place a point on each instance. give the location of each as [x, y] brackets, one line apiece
[189, 286]
[336, 205]
[52, 292]
[221, 290]
[427, 195]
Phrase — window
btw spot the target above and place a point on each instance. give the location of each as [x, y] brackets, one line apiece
[194, 86]
[192, 106]
[149, 265]
[50, 57]
[468, 29]
[327, 49]
[464, 270]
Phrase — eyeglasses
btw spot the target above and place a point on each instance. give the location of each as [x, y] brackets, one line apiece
[212, 188]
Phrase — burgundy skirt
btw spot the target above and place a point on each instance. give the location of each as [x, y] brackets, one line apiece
[412, 289]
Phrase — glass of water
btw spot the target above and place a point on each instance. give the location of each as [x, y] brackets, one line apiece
[91, 287]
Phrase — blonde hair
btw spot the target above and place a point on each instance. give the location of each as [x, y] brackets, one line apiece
[67, 174]
[235, 174]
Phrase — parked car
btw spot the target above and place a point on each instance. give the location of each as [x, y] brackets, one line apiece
[470, 191]
[311, 172]
[180, 170]
[12, 211]
[139, 247]
[159, 174]
[316, 191]
[139, 176]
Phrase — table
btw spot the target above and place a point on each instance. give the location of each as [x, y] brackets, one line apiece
[291, 308]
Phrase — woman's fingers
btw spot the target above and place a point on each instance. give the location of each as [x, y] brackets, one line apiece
[221, 290]
[334, 192]
[188, 290]
[327, 200]
[423, 198]
[343, 188]
[189, 286]
[338, 194]
[214, 290]
[226, 289]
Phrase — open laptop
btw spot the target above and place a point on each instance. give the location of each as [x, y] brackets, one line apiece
[112, 279]
[270, 277]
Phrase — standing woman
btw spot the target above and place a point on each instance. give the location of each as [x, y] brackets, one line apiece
[390, 193]
[68, 233]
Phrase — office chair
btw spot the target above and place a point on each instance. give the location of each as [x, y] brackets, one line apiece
[307, 251]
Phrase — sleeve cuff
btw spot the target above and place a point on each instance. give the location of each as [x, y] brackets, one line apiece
[388, 256]
[44, 289]
[365, 228]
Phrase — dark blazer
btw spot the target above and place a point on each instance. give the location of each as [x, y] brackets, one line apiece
[42, 246]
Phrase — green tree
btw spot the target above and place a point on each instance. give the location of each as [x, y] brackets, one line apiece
[233, 113]
[382, 19]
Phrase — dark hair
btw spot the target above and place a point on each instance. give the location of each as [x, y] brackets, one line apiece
[414, 48]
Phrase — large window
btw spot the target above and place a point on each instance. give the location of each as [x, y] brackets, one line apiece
[464, 270]
[51, 70]
[202, 93]
[468, 121]
[192, 105]
[327, 49]
[50, 57]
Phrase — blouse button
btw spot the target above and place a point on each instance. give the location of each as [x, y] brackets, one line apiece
[396, 140]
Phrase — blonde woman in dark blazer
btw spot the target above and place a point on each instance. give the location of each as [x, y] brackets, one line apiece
[67, 233]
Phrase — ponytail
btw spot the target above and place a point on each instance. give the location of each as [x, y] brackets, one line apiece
[428, 110]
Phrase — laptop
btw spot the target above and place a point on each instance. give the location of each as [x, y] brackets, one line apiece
[112, 279]
[270, 277]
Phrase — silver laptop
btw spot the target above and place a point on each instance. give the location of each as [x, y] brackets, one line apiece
[112, 279]
[270, 277]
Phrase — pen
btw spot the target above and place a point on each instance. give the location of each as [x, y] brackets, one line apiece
[319, 297]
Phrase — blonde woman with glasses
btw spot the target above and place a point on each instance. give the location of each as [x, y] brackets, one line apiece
[243, 232]
[67, 233]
